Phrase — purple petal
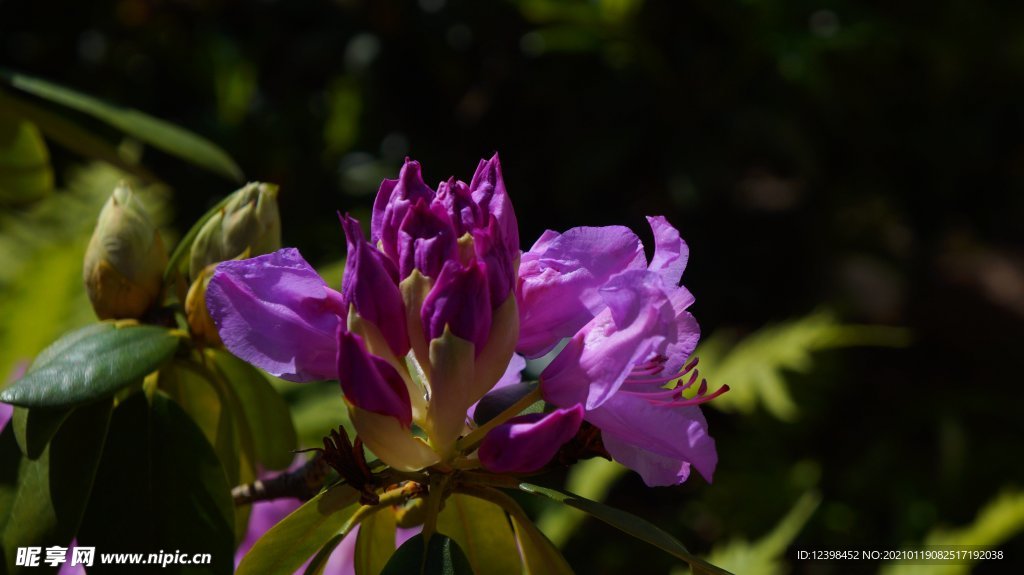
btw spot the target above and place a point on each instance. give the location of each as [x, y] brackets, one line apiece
[370, 283]
[528, 442]
[6, 411]
[670, 251]
[393, 202]
[426, 239]
[276, 313]
[459, 300]
[559, 278]
[679, 433]
[369, 382]
[656, 470]
[265, 514]
[636, 324]
[488, 190]
[490, 248]
[456, 199]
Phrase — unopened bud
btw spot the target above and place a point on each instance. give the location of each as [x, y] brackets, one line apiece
[199, 320]
[248, 221]
[125, 260]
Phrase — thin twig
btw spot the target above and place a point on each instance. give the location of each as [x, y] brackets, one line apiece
[302, 483]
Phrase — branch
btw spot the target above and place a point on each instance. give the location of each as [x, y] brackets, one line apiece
[302, 483]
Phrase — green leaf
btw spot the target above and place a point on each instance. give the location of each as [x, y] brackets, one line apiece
[53, 490]
[266, 411]
[178, 262]
[319, 561]
[34, 428]
[163, 135]
[287, 545]
[375, 543]
[159, 488]
[754, 368]
[483, 532]
[627, 523]
[539, 555]
[590, 478]
[70, 135]
[25, 171]
[501, 399]
[94, 365]
[441, 556]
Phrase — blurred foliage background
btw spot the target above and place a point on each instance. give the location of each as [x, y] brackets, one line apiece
[849, 177]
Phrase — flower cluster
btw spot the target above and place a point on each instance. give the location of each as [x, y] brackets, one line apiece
[433, 306]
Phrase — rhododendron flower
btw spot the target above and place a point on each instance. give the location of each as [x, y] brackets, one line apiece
[629, 334]
[424, 325]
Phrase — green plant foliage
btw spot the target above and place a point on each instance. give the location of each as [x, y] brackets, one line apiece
[263, 410]
[540, 557]
[46, 496]
[287, 545]
[25, 171]
[160, 487]
[483, 532]
[996, 523]
[34, 428]
[627, 523]
[93, 366]
[163, 135]
[753, 367]
[441, 556]
[375, 543]
[593, 479]
[41, 252]
[765, 556]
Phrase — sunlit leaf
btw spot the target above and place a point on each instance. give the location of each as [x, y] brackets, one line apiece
[163, 135]
[591, 478]
[754, 367]
[160, 487]
[25, 171]
[539, 555]
[265, 410]
[483, 532]
[287, 545]
[627, 523]
[441, 556]
[52, 491]
[766, 555]
[375, 543]
[94, 366]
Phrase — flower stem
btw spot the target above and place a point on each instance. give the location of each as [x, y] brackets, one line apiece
[471, 441]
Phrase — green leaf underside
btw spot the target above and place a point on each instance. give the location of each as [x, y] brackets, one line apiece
[33, 428]
[441, 556]
[47, 496]
[161, 134]
[287, 545]
[95, 364]
[375, 543]
[159, 488]
[270, 420]
[483, 532]
[627, 523]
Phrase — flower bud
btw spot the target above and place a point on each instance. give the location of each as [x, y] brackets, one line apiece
[248, 221]
[125, 260]
[199, 321]
[460, 300]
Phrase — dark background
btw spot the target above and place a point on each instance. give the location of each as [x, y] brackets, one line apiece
[867, 157]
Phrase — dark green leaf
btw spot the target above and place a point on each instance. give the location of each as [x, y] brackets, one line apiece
[376, 543]
[53, 490]
[159, 488]
[92, 366]
[164, 135]
[287, 545]
[441, 556]
[627, 523]
[25, 171]
[35, 427]
[265, 410]
[482, 530]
